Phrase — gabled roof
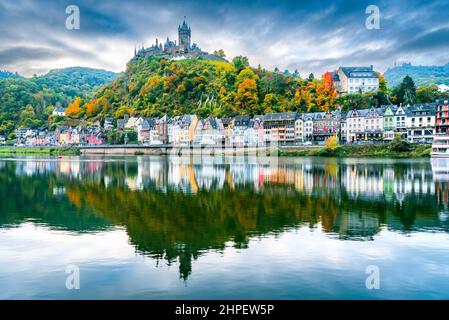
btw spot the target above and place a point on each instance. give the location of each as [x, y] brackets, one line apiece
[425, 107]
[226, 120]
[242, 121]
[59, 109]
[364, 112]
[281, 116]
[359, 72]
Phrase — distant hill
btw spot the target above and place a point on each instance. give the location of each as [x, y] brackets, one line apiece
[77, 77]
[58, 87]
[422, 75]
[7, 74]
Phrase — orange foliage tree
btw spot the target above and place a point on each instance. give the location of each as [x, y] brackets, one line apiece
[325, 92]
[74, 109]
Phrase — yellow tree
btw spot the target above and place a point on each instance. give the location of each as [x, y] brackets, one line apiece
[331, 143]
[247, 101]
[122, 111]
[382, 82]
[74, 109]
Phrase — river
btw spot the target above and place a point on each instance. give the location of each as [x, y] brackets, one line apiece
[169, 227]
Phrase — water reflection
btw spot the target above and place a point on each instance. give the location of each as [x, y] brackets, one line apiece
[175, 209]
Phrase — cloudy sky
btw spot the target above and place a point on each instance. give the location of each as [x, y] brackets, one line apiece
[311, 36]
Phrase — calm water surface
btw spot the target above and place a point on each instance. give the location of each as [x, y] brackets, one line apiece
[214, 227]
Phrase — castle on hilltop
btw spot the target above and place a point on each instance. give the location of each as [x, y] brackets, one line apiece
[181, 48]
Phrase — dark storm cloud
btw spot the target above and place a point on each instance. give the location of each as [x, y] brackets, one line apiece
[10, 55]
[312, 36]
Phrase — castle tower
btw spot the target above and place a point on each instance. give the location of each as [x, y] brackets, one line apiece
[184, 34]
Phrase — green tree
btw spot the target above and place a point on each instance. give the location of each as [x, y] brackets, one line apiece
[28, 118]
[311, 77]
[240, 63]
[406, 91]
[399, 144]
[427, 94]
[220, 53]
[270, 103]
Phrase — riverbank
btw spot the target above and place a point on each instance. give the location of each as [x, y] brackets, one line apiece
[359, 151]
[378, 151]
[49, 151]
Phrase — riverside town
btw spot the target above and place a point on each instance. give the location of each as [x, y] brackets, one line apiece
[349, 106]
[215, 158]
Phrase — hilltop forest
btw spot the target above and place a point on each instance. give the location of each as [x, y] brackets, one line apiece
[29, 102]
[157, 86]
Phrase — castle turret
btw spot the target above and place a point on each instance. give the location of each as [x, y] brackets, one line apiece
[184, 34]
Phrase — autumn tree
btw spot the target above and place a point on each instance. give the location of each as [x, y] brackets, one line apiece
[270, 103]
[331, 143]
[122, 111]
[382, 82]
[247, 100]
[74, 109]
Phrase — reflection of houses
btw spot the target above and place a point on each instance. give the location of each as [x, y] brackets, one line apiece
[359, 181]
[351, 224]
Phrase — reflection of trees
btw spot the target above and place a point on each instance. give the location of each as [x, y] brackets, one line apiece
[31, 198]
[175, 226]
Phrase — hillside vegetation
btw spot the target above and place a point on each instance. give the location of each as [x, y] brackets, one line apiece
[28, 102]
[156, 86]
[7, 74]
